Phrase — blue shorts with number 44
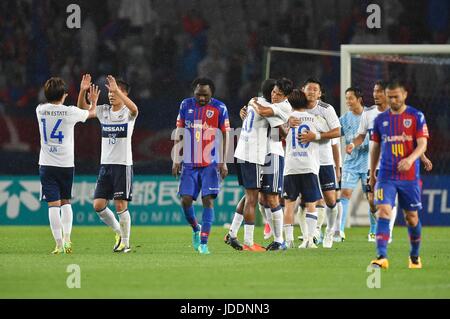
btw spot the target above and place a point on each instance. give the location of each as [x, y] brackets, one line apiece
[408, 194]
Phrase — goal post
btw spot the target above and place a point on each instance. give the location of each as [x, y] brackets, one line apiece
[381, 49]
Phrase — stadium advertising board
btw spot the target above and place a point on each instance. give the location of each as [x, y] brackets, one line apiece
[155, 201]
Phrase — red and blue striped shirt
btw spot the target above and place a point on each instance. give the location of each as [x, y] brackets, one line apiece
[202, 125]
[397, 135]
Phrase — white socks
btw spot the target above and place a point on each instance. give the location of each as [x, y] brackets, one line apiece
[289, 232]
[277, 215]
[235, 224]
[107, 216]
[55, 225]
[125, 225]
[311, 222]
[66, 220]
[248, 234]
[331, 218]
[320, 217]
[301, 214]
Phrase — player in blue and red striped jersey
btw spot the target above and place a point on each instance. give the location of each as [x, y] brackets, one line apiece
[400, 134]
[203, 123]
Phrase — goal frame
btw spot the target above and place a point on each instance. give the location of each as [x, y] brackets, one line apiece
[402, 49]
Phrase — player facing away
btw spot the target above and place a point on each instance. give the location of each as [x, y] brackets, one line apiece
[56, 158]
[355, 164]
[400, 137]
[277, 114]
[301, 170]
[115, 178]
[327, 173]
[203, 122]
[251, 150]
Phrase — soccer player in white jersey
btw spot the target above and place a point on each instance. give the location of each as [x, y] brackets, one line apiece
[327, 173]
[231, 237]
[277, 114]
[366, 127]
[301, 170]
[56, 158]
[250, 154]
[116, 170]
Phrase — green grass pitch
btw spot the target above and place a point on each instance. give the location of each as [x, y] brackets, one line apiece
[163, 265]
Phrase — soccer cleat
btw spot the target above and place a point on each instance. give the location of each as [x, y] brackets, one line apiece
[254, 247]
[276, 246]
[309, 243]
[233, 242]
[117, 242]
[195, 239]
[414, 262]
[58, 251]
[122, 249]
[380, 262]
[203, 249]
[328, 240]
[339, 236]
[67, 247]
[267, 231]
[289, 244]
[371, 238]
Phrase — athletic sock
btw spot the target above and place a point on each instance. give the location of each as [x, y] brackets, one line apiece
[249, 229]
[373, 222]
[66, 221]
[125, 226]
[289, 232]
[311, 222]
[344, 203]
[189, 213]
[393, 218]
[382, 236]
[236, 224]
[55, 224]
[331, 217]
[207, 220]
[107, 216]
[415, 234]
[277, 215]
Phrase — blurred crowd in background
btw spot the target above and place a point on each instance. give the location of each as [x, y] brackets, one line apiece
[160, 46]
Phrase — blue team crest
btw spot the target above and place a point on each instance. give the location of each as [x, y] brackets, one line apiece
[407, 123]
[209, 114]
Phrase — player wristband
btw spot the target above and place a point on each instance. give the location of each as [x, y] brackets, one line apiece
[317, 136]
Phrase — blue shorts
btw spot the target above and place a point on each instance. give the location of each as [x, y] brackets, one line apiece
[196, 179]
[56, 182]
[115, 182]
[305, 184]
[272, 174]
[350, 180]
[408, 194]
[249, 175]
[327, 178]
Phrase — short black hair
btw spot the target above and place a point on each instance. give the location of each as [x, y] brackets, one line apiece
[285, 85]
[312, 80]
[395, 84]
[125, 86]
[381, 83]
[267, 87]
[203, 81]
[297, 99]
[356, 90]
[54, 89]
